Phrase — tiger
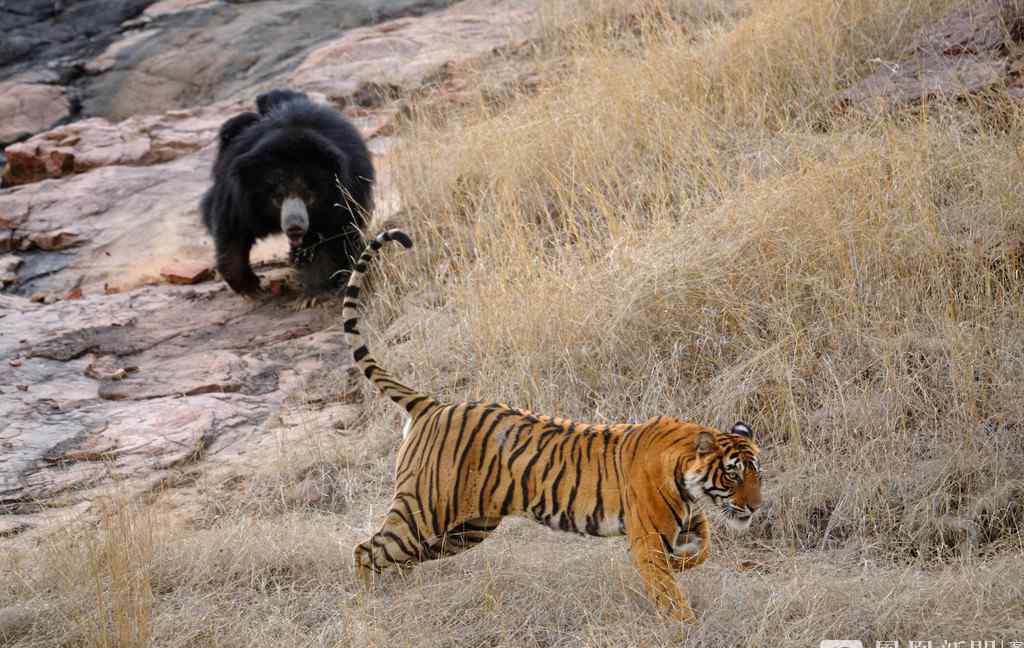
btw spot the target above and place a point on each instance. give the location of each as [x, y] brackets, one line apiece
[462, 467]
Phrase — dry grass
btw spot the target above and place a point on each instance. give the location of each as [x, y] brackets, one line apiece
[683, 223]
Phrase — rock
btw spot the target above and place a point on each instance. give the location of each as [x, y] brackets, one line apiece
[132, 385]
[9, 265]
[963, 54]
[108, 58]
[123, 222]
[27, 108]
[59, 34]
[186, 272]
[399, 54]
[128, 380]
[149, 75]
[167, 7]
[93, 143]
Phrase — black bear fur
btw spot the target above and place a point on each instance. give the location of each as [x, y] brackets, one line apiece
[298, 166]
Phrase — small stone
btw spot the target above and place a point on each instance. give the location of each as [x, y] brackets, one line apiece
[74, 293]
[38, 298]
[14, 362]
[22, 387]
[186, 272]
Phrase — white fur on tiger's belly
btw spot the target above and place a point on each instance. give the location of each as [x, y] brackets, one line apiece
[407, 427]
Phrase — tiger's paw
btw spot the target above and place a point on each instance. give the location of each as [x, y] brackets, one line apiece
[364, 571]
[684, 614]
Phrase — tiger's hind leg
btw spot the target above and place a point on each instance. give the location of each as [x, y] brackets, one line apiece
[395, 544]
[466, 535]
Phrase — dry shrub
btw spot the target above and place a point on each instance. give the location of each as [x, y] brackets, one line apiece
[675, 233]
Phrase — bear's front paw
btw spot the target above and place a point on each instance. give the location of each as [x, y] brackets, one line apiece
[305, 302]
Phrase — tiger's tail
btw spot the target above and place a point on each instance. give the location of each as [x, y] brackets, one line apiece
[407, 397]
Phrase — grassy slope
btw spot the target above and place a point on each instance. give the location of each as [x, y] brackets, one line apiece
[677, 222]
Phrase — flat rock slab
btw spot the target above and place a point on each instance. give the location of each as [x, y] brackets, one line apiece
[402, 53]
[187, 273]
[148, 74]
[116, 226]
[127, 387]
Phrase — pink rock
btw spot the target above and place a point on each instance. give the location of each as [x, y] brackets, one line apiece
[166, 7]
[27, 108]
[92, 143]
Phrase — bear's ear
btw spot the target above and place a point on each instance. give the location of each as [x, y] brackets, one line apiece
[274, 99]
[233, 127]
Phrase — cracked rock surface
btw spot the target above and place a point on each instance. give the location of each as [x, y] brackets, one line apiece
[113, 377]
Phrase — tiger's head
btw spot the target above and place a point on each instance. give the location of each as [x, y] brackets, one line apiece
[724, 473]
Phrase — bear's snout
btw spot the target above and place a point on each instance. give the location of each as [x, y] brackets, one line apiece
[294, 220]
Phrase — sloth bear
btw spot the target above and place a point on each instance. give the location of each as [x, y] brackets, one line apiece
[294, 167]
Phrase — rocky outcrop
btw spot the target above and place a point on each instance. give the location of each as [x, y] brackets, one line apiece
[130, 387]
[44, 32]
[137, 141]
[109, 372]
[115, 226]
[372, 63]
[976, 47]
[234, 49]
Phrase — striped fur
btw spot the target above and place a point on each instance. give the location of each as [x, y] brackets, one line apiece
[464, 466]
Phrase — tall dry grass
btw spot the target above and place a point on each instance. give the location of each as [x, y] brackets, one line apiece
[679, 222]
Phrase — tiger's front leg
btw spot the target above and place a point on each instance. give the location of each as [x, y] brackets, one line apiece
[691, 546]
[656, 568]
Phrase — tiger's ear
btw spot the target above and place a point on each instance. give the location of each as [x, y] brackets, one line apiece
[705, 442]
[742, 429]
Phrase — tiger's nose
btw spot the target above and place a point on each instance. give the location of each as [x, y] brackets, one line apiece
[753, 499]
